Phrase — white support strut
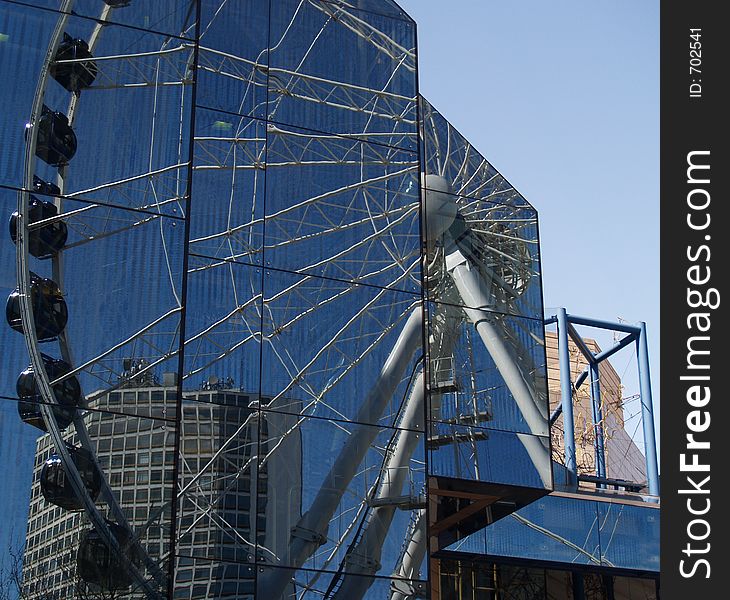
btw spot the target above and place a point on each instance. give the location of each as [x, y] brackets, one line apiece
[364, 560]
[401, 586]
[311, 530]
[478, 307]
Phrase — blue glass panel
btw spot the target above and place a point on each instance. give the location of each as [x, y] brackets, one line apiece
[476, 543]
[122, 283]
[552, 528]
[23, 45]
[463, 452]
[301, 457]
[492, 375]
[223, 321]
[629, 536]
[233, 58]
[343, 209]
[342, 71]
[228, 187]
[326, 343]
[574, 531]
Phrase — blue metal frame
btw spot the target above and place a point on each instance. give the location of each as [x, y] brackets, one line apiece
[647, 411]
[566, 393]
[635, 334]
[600, 449]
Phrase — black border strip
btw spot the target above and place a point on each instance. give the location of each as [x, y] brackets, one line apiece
[693, 132]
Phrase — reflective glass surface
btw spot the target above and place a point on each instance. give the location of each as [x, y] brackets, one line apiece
[491, 376]
[342, 209]
[377, 531]
[227, 215]
[574, 530]
[171, 17]
[366, 86]
[629, 536]
[224, 223]
[233, 59]
[327, 343]
[488, 402]
[218, 509]
[26, 33]
[223, 321]
[463, 452]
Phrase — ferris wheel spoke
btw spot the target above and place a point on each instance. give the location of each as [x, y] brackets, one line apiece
[370, 34]
[344, 96]
[338, 228]
[490, 233]
[216, 152]
[165, 67]
[118, 183]
[355, 361]
[288, 146]
[331, 350]
[139, 335]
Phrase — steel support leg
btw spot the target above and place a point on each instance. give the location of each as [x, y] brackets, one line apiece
[566, 397]
[647, 412]
[598, 443]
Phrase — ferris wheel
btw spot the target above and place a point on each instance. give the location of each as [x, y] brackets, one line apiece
[320, 253]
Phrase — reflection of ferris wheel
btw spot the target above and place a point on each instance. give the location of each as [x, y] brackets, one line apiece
[311, 243]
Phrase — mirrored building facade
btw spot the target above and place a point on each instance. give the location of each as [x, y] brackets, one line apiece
[275, 328]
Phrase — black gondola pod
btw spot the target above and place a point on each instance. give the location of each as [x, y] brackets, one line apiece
[66, 392]
[48, 240]
[74, 76]
[56, 143]
[56, 486]
[98, 564]
[50, 313]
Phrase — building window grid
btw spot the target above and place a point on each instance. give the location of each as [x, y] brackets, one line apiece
[109, 431]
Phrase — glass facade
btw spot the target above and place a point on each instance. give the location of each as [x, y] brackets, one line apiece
[279, 324]
[600, 533]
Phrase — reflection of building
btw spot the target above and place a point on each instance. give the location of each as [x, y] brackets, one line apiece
[226, 512]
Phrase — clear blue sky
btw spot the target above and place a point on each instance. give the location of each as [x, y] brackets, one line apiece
[563, 98]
